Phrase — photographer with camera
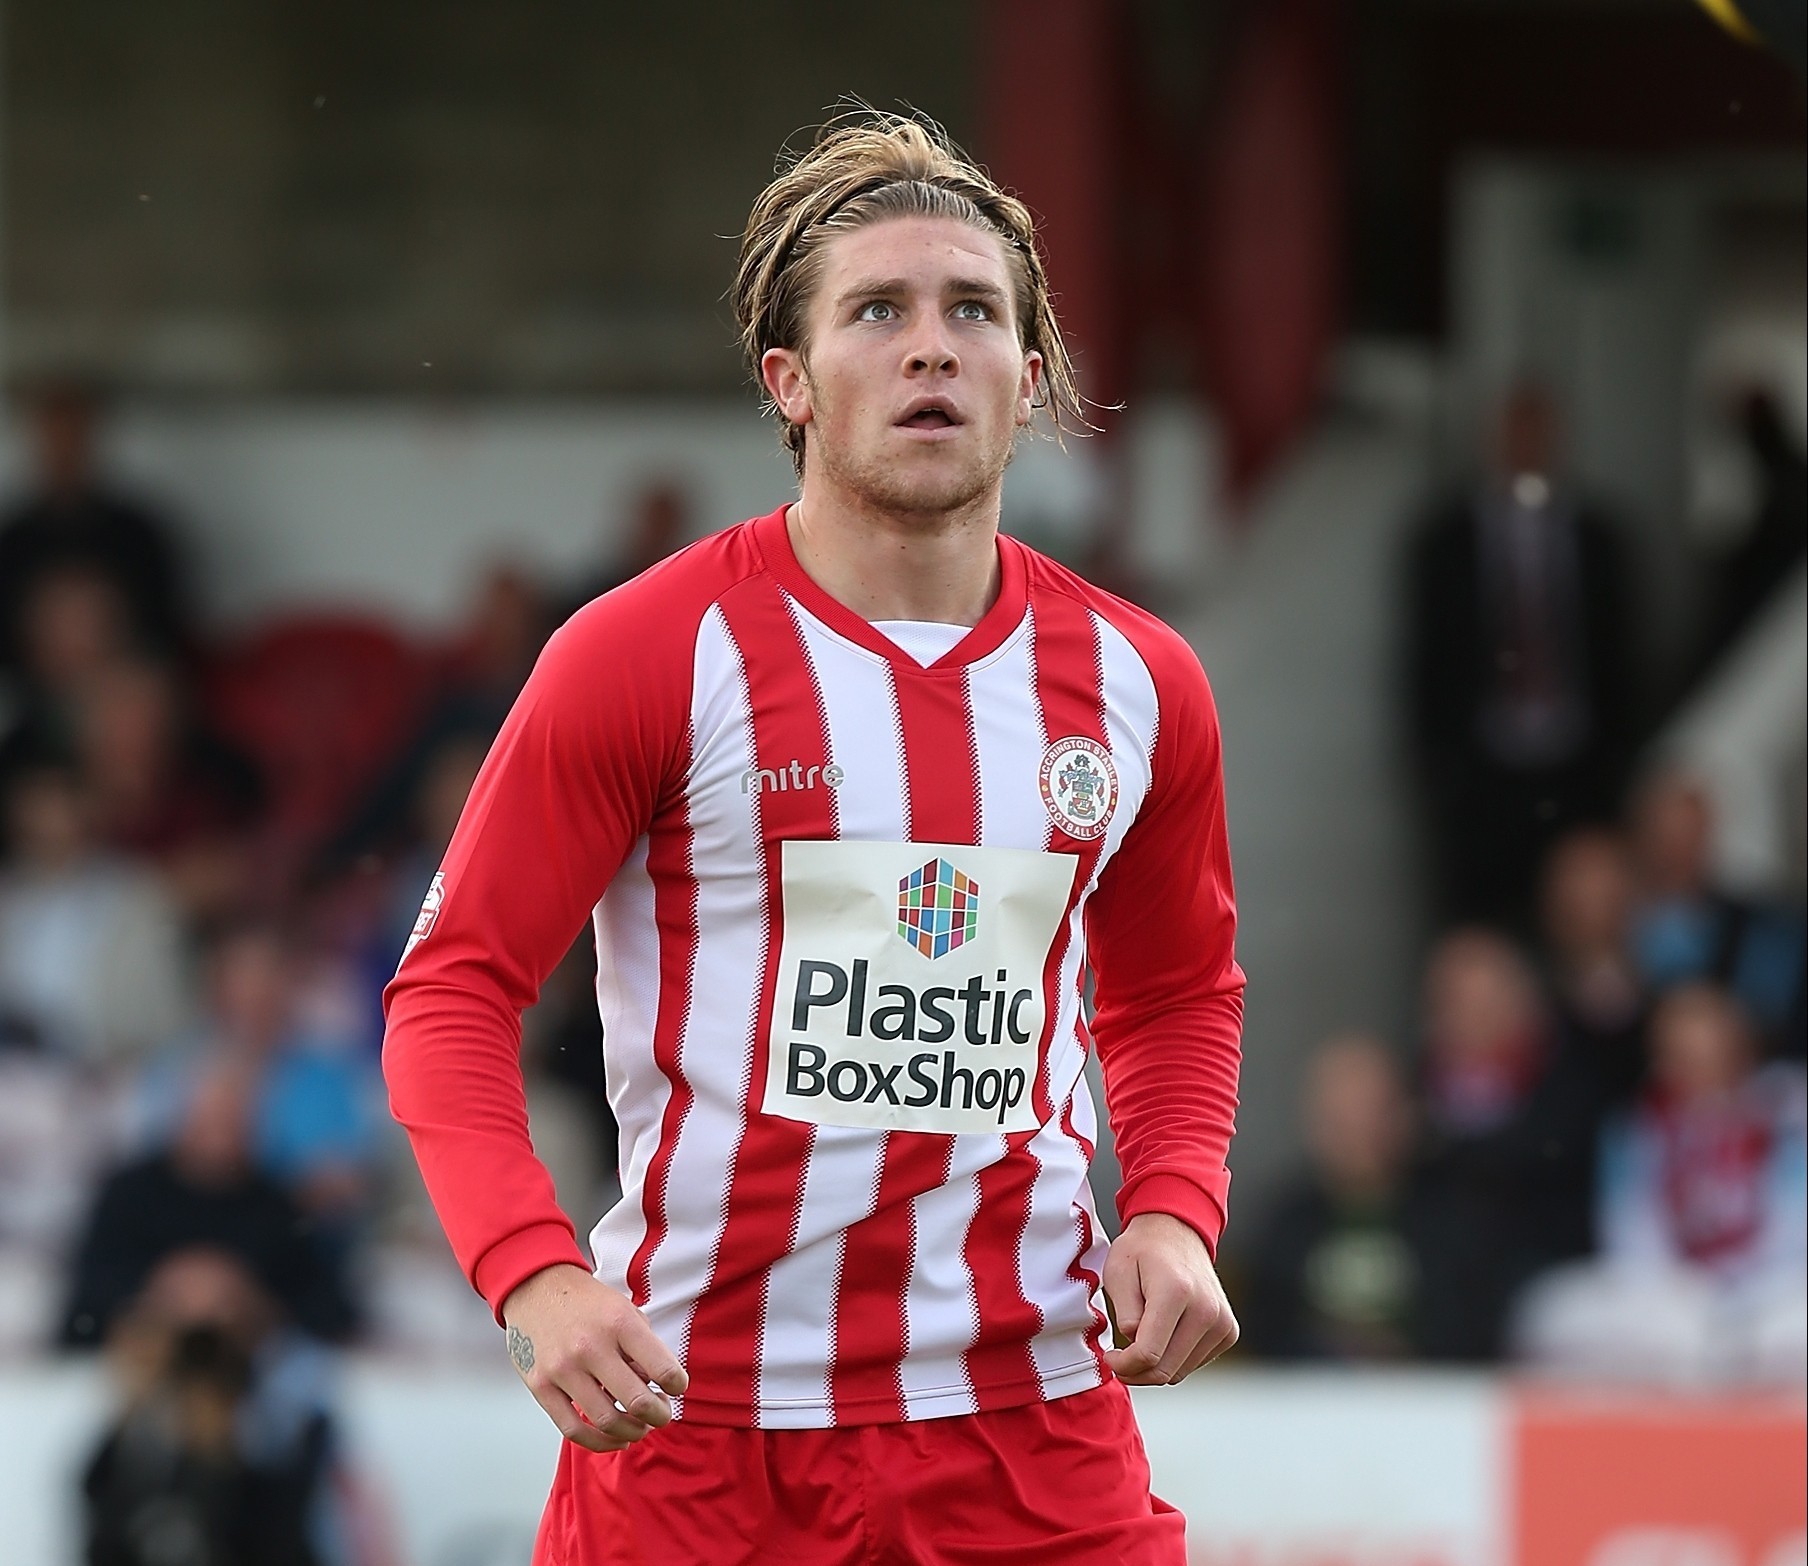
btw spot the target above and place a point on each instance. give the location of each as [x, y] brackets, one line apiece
[223, 1453]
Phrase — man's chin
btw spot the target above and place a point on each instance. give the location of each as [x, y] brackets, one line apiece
[925, 490]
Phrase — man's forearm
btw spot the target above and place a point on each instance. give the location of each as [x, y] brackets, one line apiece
[453, 1067]
[1171, 1085]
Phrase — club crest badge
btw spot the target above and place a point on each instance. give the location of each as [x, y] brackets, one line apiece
[1079, 787]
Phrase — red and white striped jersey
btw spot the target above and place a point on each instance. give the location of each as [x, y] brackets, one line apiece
[843, 906]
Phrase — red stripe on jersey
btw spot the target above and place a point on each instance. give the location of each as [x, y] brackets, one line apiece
[1076, 1269]
[669, 867]
[767, 1179]
[942, 777]
[1070, 695]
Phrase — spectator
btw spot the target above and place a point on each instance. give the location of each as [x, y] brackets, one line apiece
[445, 780]
[370, 881]
[57, 1132]
[73, 519]
[1511, 1122]
[92, 967]
[1704, 1218]
[1487, 1034]
[1686, 928]
[1358, 1260]
[1695, 1178]
[73, 625]
[1518, 688]
[74, 622]
[224, 1451]
[485, 668]
[658, 525]
[164, 787]
[1595, 983]
[314, 1095]
[504, 630]
[203, 1189]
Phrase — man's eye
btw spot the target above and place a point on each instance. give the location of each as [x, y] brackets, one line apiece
[972, 310]
[877, 310]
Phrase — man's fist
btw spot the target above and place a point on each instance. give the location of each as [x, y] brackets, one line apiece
[590, 1359]
[1167, 1300]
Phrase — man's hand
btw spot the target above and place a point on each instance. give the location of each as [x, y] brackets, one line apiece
[587, 1355]
[1168, 1302]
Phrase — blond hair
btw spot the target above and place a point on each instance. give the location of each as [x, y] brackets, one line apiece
[864, 167]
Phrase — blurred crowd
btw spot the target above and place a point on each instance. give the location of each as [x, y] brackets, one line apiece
[212, 851]
[1589, 1154]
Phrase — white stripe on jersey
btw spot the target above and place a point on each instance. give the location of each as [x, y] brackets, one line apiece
[841, 1177]
[1009, 738]
[627, 996]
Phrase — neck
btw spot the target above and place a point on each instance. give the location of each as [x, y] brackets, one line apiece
[886, 566]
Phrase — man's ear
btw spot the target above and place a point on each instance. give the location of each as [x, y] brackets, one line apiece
[787, 383]
[1028, 387]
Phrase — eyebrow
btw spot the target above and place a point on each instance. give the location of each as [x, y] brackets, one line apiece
[974, 288]
[965, 287]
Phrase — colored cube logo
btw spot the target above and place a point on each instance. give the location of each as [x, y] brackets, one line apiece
[938, 908]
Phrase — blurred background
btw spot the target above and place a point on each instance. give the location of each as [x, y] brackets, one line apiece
[1453, 365]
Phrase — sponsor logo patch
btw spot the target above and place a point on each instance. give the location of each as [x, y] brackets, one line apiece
[1079, 787]
[425, 920]
[938, 908]
[905, 1001]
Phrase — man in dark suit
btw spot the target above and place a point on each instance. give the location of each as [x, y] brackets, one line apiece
[1518, 669]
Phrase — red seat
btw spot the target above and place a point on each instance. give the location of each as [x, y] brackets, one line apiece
[323, 703]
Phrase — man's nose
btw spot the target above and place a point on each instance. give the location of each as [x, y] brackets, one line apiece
[932, 350]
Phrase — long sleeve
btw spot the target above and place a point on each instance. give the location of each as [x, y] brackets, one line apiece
[1161, 932]
[574, 779]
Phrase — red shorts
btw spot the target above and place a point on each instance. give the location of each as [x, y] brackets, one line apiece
[1053, 1484]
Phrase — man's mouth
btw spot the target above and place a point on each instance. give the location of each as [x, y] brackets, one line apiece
[932, 413]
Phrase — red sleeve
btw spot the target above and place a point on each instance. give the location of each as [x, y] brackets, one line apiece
[1160, 933]
[595, 740]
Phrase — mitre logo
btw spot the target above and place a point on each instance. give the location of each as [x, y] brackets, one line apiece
[792, 776]
[899, 1003]
[938, 908]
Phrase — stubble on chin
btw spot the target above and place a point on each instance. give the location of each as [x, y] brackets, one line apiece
[902, 488]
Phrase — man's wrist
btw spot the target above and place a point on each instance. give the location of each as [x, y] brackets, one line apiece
[512, 1261]
[1156, 1219]
[536, 1285]
[1174, 1196]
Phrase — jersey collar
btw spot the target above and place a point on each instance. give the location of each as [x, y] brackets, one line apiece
[773, 540]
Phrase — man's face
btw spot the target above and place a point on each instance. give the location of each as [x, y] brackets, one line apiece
[912, 385]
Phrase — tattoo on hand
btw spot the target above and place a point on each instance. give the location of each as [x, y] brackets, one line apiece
[521, 1350]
